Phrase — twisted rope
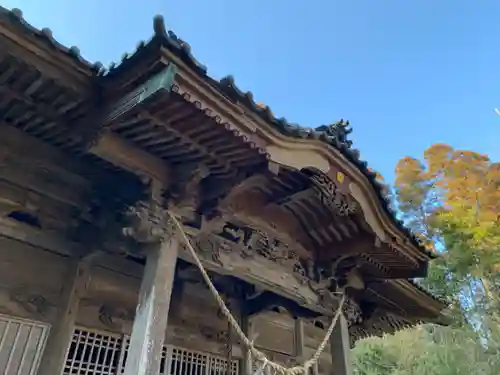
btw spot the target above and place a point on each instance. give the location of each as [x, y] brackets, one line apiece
[255, 353]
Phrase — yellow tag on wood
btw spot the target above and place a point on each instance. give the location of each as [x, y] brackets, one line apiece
[340, 177]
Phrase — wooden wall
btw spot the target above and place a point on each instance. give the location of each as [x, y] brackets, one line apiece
[31, 280]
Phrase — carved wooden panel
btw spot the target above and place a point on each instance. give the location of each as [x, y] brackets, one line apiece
[22, 291]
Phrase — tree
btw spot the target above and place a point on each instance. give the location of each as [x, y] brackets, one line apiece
[451, 200]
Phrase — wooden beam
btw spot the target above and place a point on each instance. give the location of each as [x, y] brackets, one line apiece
[109, 146]
[237, 266]
[22, 145]
[56, 66]
[267, 301]
[45, 240]
[295, 196]
[156, 85]
[274, 278]
[124, 154]
[416, 294]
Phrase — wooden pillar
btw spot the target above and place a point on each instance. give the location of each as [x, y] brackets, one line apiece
[341, 348]
[150, 322]
[245, 365]
[54, 355]
[299, 340]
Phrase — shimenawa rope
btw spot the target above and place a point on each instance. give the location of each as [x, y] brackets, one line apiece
[255, 353]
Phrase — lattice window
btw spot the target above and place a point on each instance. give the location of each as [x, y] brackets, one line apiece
[179, 361]
[21, 345]
[98, 353]
[186, 362]
[218, 366]
[93, 353]
[163, 363]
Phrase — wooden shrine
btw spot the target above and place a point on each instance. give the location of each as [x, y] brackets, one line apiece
[94, 279]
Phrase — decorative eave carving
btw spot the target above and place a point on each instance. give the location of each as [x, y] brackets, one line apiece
[352, 311]
[331, 196]
[101, 222]
[259, 117]
[148, 222]
[250, 243]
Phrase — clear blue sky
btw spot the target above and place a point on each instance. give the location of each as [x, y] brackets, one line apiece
[406, 73]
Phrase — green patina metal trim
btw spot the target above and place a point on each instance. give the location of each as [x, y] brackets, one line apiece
[161, 82]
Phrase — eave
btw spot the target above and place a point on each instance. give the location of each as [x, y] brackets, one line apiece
[237, 103]
[240, 106]
[250, 121]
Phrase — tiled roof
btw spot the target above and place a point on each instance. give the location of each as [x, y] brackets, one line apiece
[334, 135]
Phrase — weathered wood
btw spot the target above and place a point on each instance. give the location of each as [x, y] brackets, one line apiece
[54, 355]
[35, 166]
[109, 147]
[159, 83]
[123, 154]
[150, 322]
[276, 332]
[250, 270]
[340, 347]
[299, 339]
[264, 274]
[245, 364]
[54, 65]
[42, 239]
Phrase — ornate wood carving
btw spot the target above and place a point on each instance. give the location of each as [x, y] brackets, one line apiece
[100, 223]
[115, 317]
[209, 247]
[331, 196]
[352, 311]
[33, 303]
[148, 222]
[211, 332]
[214, 334]
[258, 243]
[329, 282]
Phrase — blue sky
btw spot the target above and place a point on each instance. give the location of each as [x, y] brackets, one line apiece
[406, 73]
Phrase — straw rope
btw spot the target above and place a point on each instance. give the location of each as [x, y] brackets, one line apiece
[257, 355]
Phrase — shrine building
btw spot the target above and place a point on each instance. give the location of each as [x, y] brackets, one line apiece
[97, 167]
